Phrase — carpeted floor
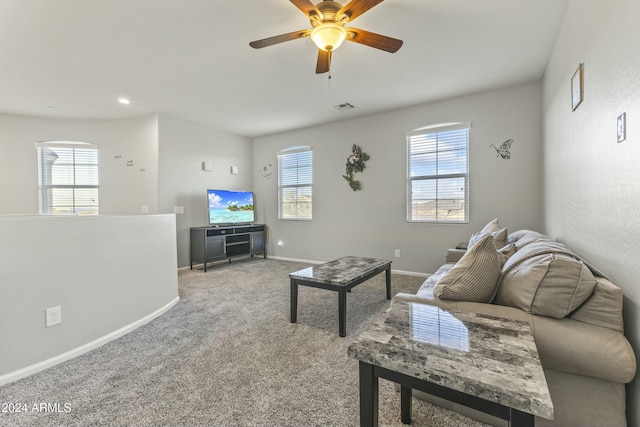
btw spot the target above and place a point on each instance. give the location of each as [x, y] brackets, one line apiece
[226, 355]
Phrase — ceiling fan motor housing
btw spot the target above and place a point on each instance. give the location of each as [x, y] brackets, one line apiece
[329, 10]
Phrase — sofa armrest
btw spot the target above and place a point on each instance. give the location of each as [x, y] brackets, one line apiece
[454, 255]
[580, 348]
[463, 245]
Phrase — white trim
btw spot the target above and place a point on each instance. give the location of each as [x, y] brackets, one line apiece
[294, 150]
[439, 128]
[65, 144]
[410, 273]
[279, 258]
[41, 366]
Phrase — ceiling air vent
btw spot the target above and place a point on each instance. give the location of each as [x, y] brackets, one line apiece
[345, 106]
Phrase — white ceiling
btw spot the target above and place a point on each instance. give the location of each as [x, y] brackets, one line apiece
[191, 58]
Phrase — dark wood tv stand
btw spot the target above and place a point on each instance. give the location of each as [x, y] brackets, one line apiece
[215, 243]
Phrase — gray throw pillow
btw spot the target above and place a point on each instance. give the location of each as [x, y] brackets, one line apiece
[473, 278]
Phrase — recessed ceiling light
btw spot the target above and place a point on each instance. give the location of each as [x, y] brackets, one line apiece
[124, 101]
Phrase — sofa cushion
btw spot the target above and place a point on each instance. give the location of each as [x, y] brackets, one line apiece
[550, 284]
[534, 245]
[514, 236]
[603, 308]
[474, 277]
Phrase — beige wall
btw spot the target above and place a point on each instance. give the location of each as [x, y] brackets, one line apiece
[183, 147]
[592, 183]
[372, 222]
[123, 189]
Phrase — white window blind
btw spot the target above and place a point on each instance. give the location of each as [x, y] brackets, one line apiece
[438, 174]
[295, 182]
[432, 325]
[68, 178]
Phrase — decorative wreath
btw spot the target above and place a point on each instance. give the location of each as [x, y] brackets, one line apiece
[355, 164]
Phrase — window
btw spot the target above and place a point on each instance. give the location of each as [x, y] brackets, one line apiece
[68, 177]
[295, 179]
[438, 173]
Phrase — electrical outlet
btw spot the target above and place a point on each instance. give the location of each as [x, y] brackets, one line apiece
[53, 316]
[144, 210]
[397, 253]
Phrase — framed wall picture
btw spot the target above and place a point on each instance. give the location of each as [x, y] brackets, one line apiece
[577, 87]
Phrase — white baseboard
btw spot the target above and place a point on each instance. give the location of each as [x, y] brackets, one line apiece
[280, 258]
[410, 273]
[41, 366]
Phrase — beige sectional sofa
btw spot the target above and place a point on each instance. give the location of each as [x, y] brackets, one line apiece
[575, 313]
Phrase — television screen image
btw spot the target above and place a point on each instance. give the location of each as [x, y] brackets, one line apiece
[230, 207]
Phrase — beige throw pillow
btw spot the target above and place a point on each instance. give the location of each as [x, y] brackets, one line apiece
[499, 238]
[491, 227]
[474, 277]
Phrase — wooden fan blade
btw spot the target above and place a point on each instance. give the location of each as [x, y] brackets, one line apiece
[306, 7]
[324, 61]
[388, 44]
[357, 7]
[279, 39]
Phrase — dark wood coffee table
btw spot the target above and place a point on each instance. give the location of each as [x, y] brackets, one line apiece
[340, 275]
[486, 363]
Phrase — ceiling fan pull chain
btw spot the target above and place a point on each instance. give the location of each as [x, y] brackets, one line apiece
[329, 80]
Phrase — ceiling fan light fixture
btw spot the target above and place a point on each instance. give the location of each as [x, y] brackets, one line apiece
[328, 36]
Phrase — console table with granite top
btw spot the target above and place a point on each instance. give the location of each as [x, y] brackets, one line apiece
[340, 275]
[486, 363]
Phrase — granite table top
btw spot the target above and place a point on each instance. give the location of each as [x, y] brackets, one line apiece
[488, 357]
[342, 271]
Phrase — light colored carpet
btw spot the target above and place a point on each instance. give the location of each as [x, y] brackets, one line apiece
[226, 355]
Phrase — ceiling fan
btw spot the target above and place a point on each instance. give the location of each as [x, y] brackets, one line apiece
[328, 19]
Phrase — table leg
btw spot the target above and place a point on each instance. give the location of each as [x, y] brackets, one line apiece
[405, 404]
[342, 312]
[521, 419]
[294, 301]
[388, 276]
[368, 396]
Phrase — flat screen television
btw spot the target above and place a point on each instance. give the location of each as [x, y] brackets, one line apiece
[230, 207]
